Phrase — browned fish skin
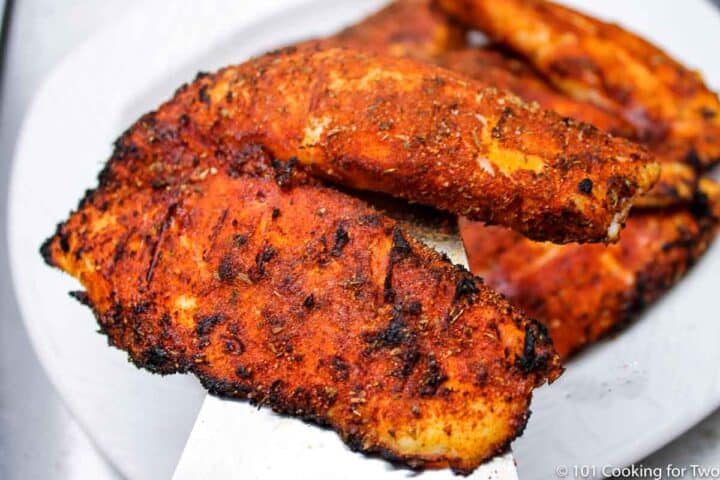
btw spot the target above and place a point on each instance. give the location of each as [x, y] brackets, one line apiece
[405, 28]
[273, 288]
[494, 66]
[413, 131]
[581, 292]
[605, 64]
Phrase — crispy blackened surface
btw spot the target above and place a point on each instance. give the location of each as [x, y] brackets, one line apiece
[581, 292]
[405, 28]
[196, 273]
[401, 127]
[592, 60]
[496, 66]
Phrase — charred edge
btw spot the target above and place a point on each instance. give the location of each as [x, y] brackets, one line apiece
[356, 443]
[224, 388]
[521, 422]
[203, 95]
[46, 247]
[181, 89]
[400, 249]
[158, 360]
[155, 359]
[82, 297]
[46, 251]
[283, 404]
[282, 51]
[304, 404]
[106, 175]
[530, 361]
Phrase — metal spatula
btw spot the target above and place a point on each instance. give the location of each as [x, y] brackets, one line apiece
[232, 439]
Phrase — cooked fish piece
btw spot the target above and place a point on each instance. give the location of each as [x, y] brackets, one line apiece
[408, 129]
[273, 288]
[494, 66]
[405, 28]
[419, 29]
[605, 64]
[582, 292]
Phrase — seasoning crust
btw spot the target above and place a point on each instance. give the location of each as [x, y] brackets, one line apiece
[495, 65]
[273, 288]
[605, 64]
[583, 292]
[416, 132]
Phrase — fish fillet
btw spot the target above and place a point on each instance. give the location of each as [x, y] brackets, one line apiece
[273, 288]
[408, 129]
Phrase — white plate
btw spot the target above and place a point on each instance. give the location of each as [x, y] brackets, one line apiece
[616, 403]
